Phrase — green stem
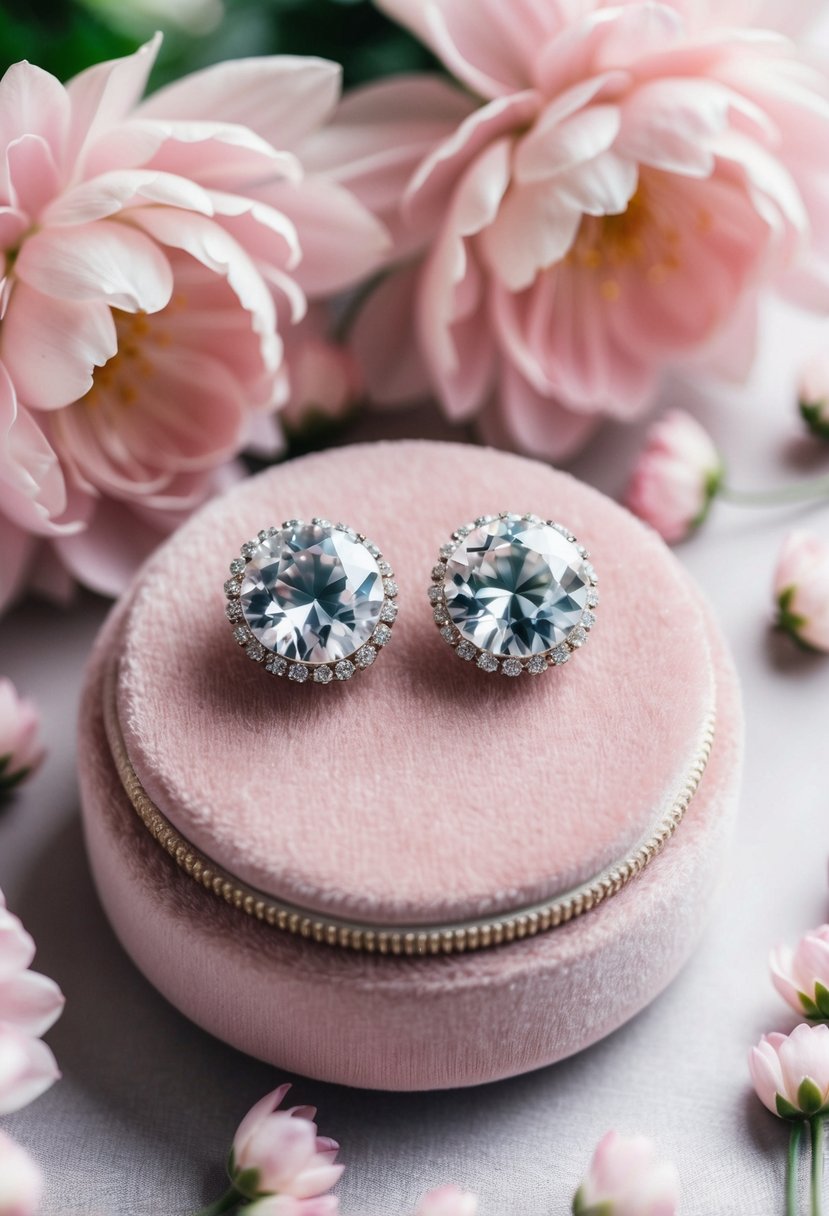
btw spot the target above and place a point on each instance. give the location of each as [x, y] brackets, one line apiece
[225, 1203]
[816, 1125]
[791, 1168]
[800, 492]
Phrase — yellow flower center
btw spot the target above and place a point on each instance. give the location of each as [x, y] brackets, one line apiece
[140, 338]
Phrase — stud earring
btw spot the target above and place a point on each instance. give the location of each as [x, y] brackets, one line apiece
[514, 593]
[311, 601]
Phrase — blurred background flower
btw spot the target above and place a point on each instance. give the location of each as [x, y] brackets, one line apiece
[20, 747]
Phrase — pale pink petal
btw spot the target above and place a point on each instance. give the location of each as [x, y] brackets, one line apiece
[524, 419]
[21, 1180]
[312, 1182]
[114, 191]
[424, 201]
[447, 1201]
[101, 261]
[549, 149]
[489, 47]
[115, 543]
[17, 949]
[51, 347]
[31, 173]
[282, 97]
[257, 1113]
[17, 547]
[33, 102]
[385, 345]
[605, 39]
[30, 1002]
[224, 155]
[27, 1069]
[378, 136]
[805, 1053]
[340, 239]
[531, 231]
[602, 186]
[103, 94]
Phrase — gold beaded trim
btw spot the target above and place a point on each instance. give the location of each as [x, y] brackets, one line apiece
[417, 940]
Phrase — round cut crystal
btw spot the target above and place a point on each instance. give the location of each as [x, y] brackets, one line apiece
[312, 593]
[515, 586]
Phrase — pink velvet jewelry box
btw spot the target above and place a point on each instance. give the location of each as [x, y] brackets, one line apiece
[246, 832]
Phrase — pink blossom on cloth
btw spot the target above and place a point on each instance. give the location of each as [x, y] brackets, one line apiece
[791, 1072]
[605, 197]
[29, 1005]
[278, 1153]
[20, 747]
[626, 1178]
[155, 253]
[813, 395]
[21, 1180]
[801, 589]
[801, 975]
[448, 1200]
[676, 476]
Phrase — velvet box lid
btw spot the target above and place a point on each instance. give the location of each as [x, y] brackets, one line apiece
[433, 807]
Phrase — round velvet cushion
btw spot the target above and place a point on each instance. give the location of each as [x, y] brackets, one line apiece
[422, 790]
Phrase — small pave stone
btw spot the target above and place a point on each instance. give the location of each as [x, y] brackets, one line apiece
[365, 656]
[447, 550]
[466, 650]
[255, 651]
[276, 665]
[487, 662]
[233, 610]
[577, 637]
[438, 572]
[323, 675]
[241, 635]
[385, 568]
[589, 573]
[389, 586]
[560, 655]
[511, 667]
[435, 594]
[381, 635]
[588, 620]
[440, 616]
[449, 633]
[344, 669]
[232, 587]
[237, 565]
[298, 673]
[248, 547]
[388, 612]
[592, 598]
[537, 664]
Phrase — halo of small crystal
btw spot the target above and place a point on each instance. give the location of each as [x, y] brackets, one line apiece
[509, 665]
[275, 664]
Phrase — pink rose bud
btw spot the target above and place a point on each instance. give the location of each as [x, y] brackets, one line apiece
[801, 590]
[20, 750]
[30, 1003]
[286, 1205]
[27, 1069]
[801, 976]
[447, 1200]
[626, 1179]
[278, 1152]
[791, 1072]
[677, 476]
[21, 1182]
[814, 396]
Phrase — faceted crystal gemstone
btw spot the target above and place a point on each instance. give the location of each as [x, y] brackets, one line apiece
[515, 586]
[312, 593]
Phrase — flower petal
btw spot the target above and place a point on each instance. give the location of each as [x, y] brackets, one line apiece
[114, 191]
[385, 347]
[33, 102]
[30, 1002]
[101, 261]
[51, 347]
[103, 94]
[27, 1069]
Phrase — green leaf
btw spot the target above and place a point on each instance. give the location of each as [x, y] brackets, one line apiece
[809, 1097]
[785, 1109]
[814, 414]
[822, 999]
[809, 1007]
[247, 1181]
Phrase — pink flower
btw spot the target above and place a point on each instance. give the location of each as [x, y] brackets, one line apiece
[814, 395]
[626, 1179]
[29, 1005]
[676, 477]
[21, 1181]
[447, 1200]
[155, 254]
[278, 1152]
[631, 177]
[287, 1205]
[801, 976]
[20, 749]
[801, 590]
[791, 1072]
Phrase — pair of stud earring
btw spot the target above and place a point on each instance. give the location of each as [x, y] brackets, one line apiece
[318, 601]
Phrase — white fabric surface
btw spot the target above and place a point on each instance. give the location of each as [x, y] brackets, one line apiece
[144, 1114]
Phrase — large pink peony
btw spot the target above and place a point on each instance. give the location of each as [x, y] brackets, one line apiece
[155, 252]
[606, 200]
